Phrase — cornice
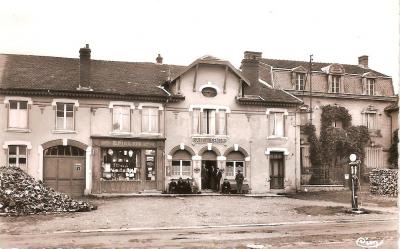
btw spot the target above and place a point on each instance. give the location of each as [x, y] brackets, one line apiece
[300, 94]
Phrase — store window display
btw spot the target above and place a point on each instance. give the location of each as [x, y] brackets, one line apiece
[120, 164]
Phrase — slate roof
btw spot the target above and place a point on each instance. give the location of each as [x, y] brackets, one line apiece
[111, 77]
[290, 64]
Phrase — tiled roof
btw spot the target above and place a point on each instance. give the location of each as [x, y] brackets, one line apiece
[392, 107]
[55, 73]
[317, 66]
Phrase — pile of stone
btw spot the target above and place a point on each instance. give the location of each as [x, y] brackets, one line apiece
[383, 182]
[20, 194]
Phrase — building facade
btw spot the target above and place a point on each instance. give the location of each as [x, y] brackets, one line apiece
[88, 126]
[362, 91]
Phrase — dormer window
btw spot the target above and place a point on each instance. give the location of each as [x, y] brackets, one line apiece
[370, 86]
[300, 81]
[335, 83]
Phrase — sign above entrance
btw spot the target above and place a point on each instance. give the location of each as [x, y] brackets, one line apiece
[206, 140]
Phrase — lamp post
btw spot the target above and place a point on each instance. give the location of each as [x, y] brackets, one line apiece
[354, 166]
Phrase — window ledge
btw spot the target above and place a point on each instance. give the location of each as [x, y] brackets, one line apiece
[20, 130]
[64, 132]
[149, 134]
[277, 138]
[210, 135]
[121, 133]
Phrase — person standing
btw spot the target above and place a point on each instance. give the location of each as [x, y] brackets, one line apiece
[219, 176]
[239, 181]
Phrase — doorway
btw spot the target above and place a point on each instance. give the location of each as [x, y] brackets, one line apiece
[208, 171]
[277, 169]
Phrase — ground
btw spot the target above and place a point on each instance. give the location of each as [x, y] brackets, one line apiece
[303, 220]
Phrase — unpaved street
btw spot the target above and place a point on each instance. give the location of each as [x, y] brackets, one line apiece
[203, 222]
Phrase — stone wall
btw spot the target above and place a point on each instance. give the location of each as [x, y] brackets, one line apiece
[383, 182]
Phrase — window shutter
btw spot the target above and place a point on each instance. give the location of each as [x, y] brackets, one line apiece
[329, 83]
[293, 80]
[364, 86]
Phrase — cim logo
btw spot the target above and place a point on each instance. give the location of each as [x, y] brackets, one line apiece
[368, 243]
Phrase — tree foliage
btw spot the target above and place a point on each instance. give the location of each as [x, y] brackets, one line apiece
[393, 150]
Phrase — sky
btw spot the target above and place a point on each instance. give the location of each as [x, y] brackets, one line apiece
[182, 31]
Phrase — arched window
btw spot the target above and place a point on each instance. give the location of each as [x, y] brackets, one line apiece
[234, 162]
[181, 163]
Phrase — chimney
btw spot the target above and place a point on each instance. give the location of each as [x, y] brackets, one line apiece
[363, 61]
[250, 69]
[84, 68]
[159, 59]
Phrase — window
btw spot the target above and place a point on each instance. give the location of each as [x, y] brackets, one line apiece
[18, 114]
[17, 155]
[151, 163]
[208, 122]
[335, 84]
[276, 124]
[64, 116]
[150, 119]
[370, 86]
[209, 119]
[209, 92]
[232, 167]
[120, 164]
[181, 164]
[121, 118]
[300, 82]
[370, 120]
[337, 124]
[196, 122]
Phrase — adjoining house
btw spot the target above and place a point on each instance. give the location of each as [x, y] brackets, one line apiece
[364, 92]
[90, 126]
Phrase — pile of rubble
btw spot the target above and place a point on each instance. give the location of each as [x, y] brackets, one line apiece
[20, 194]
[383, 182]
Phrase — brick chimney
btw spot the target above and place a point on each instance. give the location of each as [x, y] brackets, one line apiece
[250, 70]
[363, 61]
[159, 59]
[84, 68]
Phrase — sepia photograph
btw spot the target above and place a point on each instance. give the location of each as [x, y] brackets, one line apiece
[199, 124]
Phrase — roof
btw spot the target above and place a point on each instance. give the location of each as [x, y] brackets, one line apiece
[317, 66]
[392, 107]
[62, 74]
[211, 60]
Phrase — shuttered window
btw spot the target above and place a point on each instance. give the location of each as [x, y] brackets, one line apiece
[18, 114]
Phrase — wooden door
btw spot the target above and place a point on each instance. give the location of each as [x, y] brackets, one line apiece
[276, 171]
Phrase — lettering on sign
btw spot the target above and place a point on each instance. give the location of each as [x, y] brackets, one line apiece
[205, 140]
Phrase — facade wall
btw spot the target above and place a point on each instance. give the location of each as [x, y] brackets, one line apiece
[247, 126]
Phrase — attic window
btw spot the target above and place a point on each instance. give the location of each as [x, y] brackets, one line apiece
[209, 92]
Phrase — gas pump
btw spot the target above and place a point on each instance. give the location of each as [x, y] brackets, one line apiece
[354, 166]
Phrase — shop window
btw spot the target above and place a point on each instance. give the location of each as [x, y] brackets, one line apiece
[181, 164]
[120, 164]
[17, 155]
[300, 81]
[276, 124]
[150, 165]
[18, 114]
[121, 118]
[64, 116]
[150, 119]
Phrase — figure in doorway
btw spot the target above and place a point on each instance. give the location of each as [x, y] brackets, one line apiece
[239, 181]
[219, 176]
[226, 187]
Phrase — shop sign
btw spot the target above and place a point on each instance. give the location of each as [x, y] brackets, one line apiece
[126, 143]
[205, 140]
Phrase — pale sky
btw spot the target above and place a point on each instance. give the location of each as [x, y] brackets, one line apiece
[182, 31]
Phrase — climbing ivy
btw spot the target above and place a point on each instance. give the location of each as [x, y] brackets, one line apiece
[334, 143]
[393, 152]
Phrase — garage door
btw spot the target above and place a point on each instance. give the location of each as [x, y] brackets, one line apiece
[64, 169]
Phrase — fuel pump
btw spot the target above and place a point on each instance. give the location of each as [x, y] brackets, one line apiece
[354, 166]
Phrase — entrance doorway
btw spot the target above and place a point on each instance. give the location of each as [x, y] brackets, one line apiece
[208, 178]
[64, 169]
[277, 169]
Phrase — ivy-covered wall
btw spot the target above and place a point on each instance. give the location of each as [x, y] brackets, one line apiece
[383, 182]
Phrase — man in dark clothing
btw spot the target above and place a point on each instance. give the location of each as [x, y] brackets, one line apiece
[239, 181]
[226, 187]
[172, 187]
[219, 176]
[188, 186]
[180, 186]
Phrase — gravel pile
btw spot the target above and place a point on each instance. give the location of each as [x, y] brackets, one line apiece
[20, 194]
[383, 182]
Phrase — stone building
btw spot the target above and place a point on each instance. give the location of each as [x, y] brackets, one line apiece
[362, 91]
[90, 126]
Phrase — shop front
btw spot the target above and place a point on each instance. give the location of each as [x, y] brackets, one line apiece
[127, 165]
